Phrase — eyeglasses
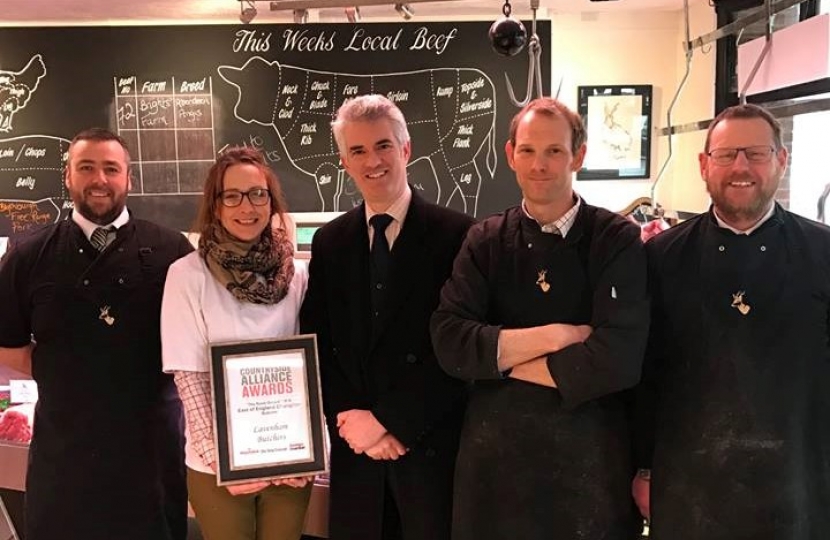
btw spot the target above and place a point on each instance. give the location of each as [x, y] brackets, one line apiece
[233, 197]
[754, 154]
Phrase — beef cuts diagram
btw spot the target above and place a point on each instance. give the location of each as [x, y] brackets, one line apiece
[180, 95]
[31, 166]
[450, 115]
[31, 193]
[16, 88]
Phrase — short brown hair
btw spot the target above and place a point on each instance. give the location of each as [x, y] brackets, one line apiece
[552, 108]
[747, 111]
[97, 134]
[235, 155]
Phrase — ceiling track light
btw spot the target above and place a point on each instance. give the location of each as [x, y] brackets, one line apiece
[247, 12]
[300, 16]
[288, 5]
[353, 14]
[405, 11]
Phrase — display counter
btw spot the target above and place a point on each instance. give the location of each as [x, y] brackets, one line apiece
[15, 456]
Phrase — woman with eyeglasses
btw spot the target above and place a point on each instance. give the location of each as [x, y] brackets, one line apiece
[242, 283]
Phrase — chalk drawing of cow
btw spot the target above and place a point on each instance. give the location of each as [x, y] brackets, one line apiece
[16, 88]
[450, 114]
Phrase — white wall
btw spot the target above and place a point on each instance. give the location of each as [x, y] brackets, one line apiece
[609, 48]
[683, 189]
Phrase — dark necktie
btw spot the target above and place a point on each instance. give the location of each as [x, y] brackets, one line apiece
[380, 246]
[380, 259]
[100, 238]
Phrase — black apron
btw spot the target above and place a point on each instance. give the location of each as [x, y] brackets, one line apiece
[107, 454]
[528, 468]
[742, 442]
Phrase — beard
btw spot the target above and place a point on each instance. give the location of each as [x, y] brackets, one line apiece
[748, 208]
[98, 213]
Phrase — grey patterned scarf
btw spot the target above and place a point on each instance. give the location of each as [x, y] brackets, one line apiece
[259, 272]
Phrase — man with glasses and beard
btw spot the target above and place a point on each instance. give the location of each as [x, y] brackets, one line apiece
[81, 302]
[734, 408]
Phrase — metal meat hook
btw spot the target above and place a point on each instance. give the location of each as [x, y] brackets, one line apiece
[534, 69]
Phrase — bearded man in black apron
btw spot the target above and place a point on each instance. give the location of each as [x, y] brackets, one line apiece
[81, 302]
[734, 407]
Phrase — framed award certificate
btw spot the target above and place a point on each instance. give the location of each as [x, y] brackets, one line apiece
[267, 415]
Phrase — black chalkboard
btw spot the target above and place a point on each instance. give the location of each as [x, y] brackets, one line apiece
[181, 94]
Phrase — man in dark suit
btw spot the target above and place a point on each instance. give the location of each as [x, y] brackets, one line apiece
[393, 415]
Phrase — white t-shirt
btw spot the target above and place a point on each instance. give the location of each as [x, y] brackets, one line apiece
[197, 310]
